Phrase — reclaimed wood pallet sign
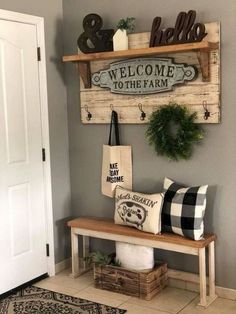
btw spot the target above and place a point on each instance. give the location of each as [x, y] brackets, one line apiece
[198, 95]
[137, 81]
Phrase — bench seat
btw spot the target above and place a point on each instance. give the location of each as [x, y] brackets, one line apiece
[108, 226]
[106, 229]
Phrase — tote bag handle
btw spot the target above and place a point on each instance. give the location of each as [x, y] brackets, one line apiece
[114, 122]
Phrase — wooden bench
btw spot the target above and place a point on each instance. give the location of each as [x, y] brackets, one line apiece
[106, 229]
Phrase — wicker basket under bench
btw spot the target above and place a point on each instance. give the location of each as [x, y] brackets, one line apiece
[106, 229]
[144, 285]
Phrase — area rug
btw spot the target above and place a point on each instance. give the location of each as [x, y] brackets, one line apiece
[34, 300]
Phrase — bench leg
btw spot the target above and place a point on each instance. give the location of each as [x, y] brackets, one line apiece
[205, 300]
[202, 275]
[74, 253]
[79, 266]
[212, 292]
[85, 250]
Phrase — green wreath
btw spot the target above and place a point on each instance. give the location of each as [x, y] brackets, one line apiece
[160, 134]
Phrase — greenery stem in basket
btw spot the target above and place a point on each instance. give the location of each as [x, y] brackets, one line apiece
[100, 258]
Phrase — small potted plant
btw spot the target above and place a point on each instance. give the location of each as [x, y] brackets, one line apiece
[100, 258]
[120, 39]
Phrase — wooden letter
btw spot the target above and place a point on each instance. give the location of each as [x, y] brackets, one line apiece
[156, 34]
[185, 31]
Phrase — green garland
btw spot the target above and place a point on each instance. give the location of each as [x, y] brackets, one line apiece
[159, 134]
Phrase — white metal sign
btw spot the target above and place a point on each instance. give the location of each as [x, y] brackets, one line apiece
[144, 76]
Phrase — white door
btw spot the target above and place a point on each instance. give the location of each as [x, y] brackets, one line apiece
[22, 208]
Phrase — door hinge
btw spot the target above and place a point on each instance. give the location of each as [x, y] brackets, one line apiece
[43, 154]
[47, 250]
[38, 53]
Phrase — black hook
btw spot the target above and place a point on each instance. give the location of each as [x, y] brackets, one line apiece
[89, 114]
[143, 114]
[207, 113]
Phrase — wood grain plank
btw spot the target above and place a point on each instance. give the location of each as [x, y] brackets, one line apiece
[102, 114]
[108, 226]
[190, 59]
[131, 53]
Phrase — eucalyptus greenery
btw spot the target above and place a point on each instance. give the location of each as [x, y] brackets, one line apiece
[160, 134]
[127, 24]
[100, 258]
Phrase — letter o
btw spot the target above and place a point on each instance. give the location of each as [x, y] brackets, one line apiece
[148, 69]
[120, 85]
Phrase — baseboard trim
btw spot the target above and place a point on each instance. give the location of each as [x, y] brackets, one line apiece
[190, 281]
[178, 279]
[66, 263]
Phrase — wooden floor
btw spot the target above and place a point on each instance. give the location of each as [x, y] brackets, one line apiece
[171, 300]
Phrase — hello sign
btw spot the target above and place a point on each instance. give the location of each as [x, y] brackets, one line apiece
[184, 31]
[143, 76]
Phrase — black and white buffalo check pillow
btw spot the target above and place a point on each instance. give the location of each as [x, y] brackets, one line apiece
[183, 209]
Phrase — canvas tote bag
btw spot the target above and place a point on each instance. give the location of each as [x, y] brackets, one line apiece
[117, 162]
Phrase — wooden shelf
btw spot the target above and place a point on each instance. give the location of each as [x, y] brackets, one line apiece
[201, 46]
[83, 60]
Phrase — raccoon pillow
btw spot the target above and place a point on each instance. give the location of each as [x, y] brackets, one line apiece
[142, 211]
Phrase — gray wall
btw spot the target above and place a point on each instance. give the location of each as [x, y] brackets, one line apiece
[52, 12]
[213, 163]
